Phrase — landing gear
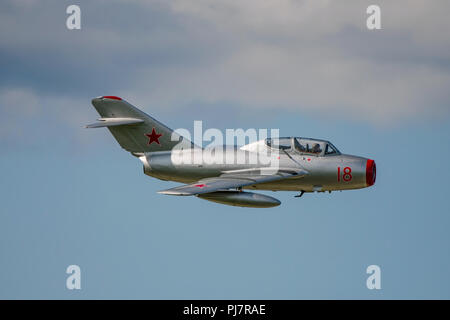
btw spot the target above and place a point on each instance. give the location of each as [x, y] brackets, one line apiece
[300, 195]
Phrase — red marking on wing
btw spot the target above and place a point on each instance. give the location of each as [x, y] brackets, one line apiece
[200, 185]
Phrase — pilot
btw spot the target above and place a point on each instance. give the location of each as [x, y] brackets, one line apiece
[316, 148]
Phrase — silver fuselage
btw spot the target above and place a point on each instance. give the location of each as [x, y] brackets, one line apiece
[218, 173]
[325, 173]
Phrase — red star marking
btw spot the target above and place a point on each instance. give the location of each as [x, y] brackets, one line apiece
[309, 159]
[200, 185]
[153, 137]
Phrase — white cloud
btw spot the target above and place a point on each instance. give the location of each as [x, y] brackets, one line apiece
[312, 56]
[25, 115]
[18, 101]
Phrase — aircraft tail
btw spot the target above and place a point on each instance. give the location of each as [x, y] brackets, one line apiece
[133, 129]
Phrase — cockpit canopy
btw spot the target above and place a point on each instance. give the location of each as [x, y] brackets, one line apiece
[303, 146]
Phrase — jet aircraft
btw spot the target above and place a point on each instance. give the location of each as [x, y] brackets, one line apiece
[290, 163]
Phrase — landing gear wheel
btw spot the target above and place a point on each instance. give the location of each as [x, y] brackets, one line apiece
[300, 195]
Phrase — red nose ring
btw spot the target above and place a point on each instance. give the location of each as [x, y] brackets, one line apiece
[371, 172]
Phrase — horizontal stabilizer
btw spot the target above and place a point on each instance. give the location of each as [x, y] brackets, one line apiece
[111, 122]
[133, 129]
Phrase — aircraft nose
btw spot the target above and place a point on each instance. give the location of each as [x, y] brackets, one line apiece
[371, 172]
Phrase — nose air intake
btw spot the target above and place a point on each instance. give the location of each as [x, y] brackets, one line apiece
[371, 172]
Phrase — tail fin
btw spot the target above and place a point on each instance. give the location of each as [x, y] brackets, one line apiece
[133, 129]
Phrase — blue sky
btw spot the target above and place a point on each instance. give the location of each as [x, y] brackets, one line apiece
[73, 196]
